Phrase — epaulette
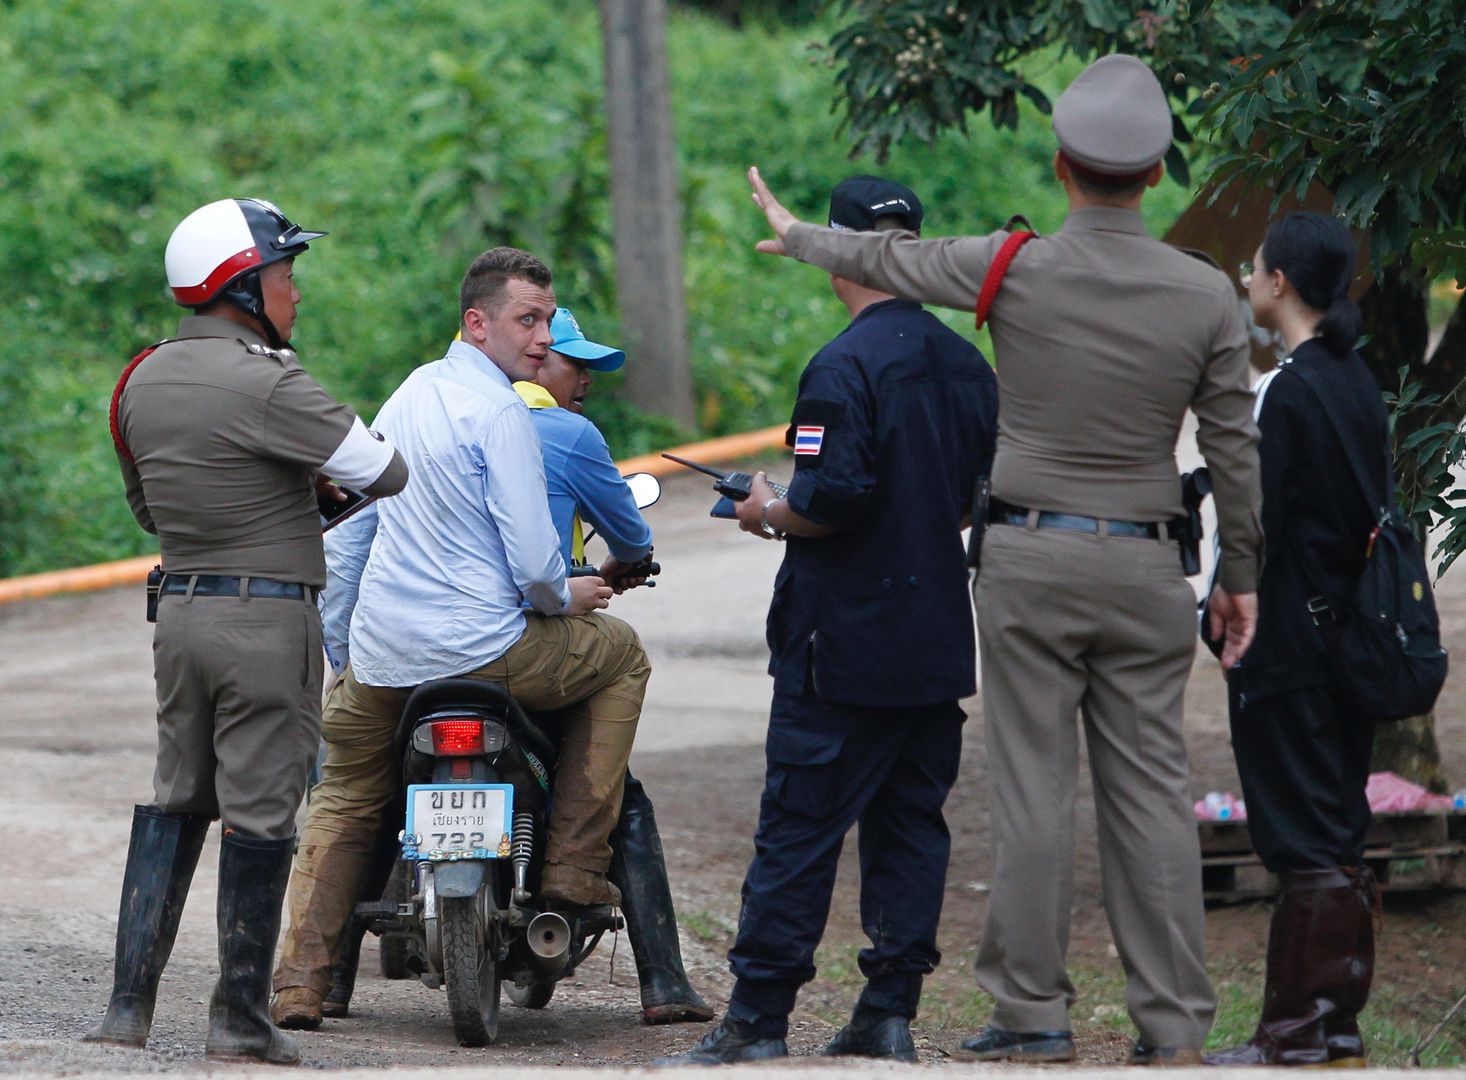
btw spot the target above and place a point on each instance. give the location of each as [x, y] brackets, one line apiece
[284, 356]
[1197, 253]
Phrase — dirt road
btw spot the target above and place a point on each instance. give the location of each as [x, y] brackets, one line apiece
[76, 747]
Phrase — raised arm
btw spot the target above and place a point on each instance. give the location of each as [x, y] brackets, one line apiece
[948, 272]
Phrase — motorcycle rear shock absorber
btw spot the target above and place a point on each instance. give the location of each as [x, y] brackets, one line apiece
[521, 850]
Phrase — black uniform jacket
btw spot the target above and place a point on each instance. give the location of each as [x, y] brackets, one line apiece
[1315, 519]
[895, 419]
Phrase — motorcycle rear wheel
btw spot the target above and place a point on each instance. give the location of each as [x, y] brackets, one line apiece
[533, 996]
[470, 973]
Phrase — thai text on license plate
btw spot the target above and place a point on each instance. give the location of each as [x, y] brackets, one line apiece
[460, 820]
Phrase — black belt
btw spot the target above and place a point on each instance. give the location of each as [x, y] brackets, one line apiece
[214, 585]
[1004, 513]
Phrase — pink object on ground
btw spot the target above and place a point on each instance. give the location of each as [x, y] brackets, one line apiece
[1221, 806]
[1389, 793]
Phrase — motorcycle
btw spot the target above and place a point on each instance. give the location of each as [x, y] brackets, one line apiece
[461, 910]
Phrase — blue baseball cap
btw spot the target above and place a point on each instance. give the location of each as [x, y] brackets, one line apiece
[570, 340]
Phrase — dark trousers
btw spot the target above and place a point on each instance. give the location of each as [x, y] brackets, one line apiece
[1304, 762]
[830, 766]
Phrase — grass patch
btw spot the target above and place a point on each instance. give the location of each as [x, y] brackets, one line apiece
[1392, 1024]
[709, 928]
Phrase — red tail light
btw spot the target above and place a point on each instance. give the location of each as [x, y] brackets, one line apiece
[458, 737]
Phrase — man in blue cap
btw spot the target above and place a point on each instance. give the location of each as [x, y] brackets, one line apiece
[583, 482]
[584, 485]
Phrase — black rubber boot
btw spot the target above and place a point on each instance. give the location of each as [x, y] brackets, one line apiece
[639, 870]
[160, 862]
[252, 878]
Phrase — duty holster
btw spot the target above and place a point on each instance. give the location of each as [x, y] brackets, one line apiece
[981, 493]
[154, 586]
[1187, 530]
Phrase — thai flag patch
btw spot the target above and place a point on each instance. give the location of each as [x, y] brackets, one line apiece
[809, 439]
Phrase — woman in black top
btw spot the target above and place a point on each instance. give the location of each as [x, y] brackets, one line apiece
[1302, 750]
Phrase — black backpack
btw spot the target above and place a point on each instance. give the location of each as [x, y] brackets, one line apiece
[1383, 641]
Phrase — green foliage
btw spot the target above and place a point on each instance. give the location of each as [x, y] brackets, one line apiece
[1428, 460]
[914, 68]
[418, 133]
[1364, 99]
[1367, 100]
[741, 13]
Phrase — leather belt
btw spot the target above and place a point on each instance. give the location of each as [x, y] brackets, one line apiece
[214, 585]
[1004, 513]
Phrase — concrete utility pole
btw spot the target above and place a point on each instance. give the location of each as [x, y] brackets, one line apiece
[647, 208]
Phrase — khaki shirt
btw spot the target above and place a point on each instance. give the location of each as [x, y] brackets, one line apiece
[1103, 337]
[227, 434]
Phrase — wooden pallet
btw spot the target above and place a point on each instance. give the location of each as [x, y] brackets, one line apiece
[1410, 851]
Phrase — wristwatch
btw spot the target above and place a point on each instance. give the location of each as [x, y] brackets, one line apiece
[769, 531]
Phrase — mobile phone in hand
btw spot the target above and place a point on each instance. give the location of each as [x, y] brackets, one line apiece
[334, 512]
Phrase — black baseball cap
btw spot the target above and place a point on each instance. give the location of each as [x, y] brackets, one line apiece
[858, 202]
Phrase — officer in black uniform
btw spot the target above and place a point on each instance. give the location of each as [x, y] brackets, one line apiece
[871, 636]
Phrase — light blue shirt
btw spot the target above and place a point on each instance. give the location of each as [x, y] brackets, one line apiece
[430, 582]
[582, 477]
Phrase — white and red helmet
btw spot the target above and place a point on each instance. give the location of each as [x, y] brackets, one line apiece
[219, 243]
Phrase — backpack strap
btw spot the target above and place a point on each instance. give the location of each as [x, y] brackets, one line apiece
[117, 399]
[1382, 511]
[998, 269]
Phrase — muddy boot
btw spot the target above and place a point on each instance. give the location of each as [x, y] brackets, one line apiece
[640, 872]
[1311, 959]
[160, 862]
[1341, 1028]
[252, 878]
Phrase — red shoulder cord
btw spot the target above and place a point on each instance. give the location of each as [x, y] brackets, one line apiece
[999, 268]
[117, 401]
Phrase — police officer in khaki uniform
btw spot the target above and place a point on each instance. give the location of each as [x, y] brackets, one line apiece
[224, 441]
[1104, 338]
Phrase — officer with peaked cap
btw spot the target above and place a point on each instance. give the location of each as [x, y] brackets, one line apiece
[870, 631]
[1104, 338]
[224, 439]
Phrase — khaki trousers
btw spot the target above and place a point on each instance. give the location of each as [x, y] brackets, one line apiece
[590, 667]
[1104, 627]
[239, 706]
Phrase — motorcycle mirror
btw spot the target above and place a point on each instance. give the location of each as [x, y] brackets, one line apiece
[645, 489]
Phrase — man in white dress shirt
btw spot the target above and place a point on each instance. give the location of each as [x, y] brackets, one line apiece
[435, 584]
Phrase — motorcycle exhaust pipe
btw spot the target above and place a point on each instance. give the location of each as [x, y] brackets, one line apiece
[548, 937]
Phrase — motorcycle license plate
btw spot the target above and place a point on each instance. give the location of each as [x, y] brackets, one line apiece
[460, 821]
